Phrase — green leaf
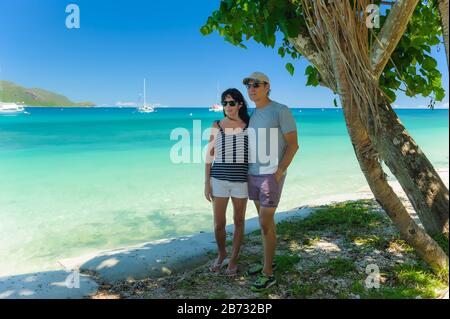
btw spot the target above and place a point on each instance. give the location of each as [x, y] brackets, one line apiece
[429, 63]
[309, 70]
[440, 94]
[290, 68]
[313, 76]
[264, 20]
[205, 30]
[335, 102]
[390, 95]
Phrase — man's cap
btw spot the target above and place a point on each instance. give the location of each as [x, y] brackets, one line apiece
[257, 77]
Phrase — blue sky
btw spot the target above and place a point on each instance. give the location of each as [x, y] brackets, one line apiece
[121, 42]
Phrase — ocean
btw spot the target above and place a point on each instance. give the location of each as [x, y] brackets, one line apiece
[79, 180]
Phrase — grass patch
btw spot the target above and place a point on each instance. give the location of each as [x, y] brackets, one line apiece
[357, 288]
[370, 241]
[340, 266]
[342, 295]
[186, 284]
[221, 294]
[251, 259]
[408, 282]
[420, 279]
[286, 262]
[400, 245]
[310, 241]
[254, 233]
[353, 217]
[391, 293]
[302, 290]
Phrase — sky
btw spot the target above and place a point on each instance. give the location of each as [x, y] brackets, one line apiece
[119, 43]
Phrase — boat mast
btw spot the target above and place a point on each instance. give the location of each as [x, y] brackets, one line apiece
[217, 93]
[145, 101]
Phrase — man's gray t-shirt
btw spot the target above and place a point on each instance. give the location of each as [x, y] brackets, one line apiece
[266, 141]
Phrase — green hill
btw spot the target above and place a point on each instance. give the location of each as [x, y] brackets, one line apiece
[11, 92]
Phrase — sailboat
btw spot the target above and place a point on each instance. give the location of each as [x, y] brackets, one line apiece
[146, 108]
[216, 107]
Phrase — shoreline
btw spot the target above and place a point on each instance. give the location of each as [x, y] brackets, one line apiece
[153, 259]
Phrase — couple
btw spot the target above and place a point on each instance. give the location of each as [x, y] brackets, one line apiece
[240, 172]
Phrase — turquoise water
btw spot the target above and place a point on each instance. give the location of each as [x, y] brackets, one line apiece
[75, 181]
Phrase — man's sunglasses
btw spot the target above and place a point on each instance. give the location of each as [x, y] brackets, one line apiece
[254, 85]
[231, 103]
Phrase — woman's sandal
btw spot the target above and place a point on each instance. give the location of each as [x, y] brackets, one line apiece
[231, 272]
[215, 267]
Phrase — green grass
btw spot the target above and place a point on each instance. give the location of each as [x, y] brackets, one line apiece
[349, 218]
[221, 294]
[310, 241]
[302, 290]
[373, 241]
[186, 284]
[286, 262]
[402, 244]
[360, 224]
[340, 266]
[408, 282]
[357, 288]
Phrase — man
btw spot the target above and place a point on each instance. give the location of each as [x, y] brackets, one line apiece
[272, 130]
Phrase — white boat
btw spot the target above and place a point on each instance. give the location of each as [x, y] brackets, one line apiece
[216, 107]
[11, 107]
[146, 108]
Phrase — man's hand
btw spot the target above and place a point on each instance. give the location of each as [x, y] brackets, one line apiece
[291, 149]
[278, 175]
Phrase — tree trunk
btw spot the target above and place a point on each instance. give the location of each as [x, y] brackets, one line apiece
[414, 235]
[367, 157]
[417, 176]
[426, 191]
[443, 11]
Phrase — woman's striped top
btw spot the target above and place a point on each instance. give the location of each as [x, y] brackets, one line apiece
[231, 156]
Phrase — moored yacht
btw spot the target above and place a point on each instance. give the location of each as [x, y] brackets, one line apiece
[11, 107]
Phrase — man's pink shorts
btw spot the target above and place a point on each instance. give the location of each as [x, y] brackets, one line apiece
[265, 189]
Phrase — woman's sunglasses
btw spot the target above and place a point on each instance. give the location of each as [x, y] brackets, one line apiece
[230, 103]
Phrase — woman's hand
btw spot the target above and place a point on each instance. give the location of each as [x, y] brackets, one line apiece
[208, 191]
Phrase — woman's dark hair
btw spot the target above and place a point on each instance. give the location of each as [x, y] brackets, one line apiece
[239, 98]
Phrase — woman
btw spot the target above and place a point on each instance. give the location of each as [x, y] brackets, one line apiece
[227, 176]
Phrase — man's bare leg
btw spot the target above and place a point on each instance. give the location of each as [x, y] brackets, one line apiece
[268, 232]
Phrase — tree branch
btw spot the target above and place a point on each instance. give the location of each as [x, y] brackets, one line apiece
[303, 44]
[391, 33]
[443, 11]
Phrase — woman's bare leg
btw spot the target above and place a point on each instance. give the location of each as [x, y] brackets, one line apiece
[239, 208]
[220, 208]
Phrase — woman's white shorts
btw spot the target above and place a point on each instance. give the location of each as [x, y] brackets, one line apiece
[222, 188]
